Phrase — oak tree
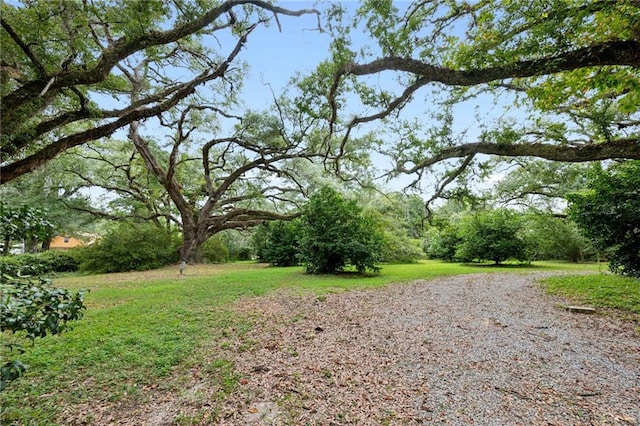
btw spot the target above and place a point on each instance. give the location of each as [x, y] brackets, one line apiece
[66, 67]
[556, 80]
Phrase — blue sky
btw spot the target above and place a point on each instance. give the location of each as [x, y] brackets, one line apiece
[274, 57]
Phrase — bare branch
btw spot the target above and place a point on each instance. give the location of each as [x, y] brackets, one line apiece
[450, 177]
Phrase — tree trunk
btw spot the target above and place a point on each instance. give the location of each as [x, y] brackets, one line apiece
[31, 245]
[192, 241]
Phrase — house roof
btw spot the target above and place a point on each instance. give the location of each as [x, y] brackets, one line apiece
[60, 241]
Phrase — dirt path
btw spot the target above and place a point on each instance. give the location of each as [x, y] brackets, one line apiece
[487, 349]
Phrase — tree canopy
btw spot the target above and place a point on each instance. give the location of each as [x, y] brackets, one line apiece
[64, 64]
[432, 88]
[609, 213]
[563, 77]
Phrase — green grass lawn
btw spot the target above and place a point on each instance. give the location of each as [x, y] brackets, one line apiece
[142, 329]
[600, 291]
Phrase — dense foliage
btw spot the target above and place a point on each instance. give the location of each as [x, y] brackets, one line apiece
[282, 246]
[23, 223]
[492, 235]
[214, 250]
[562, 78]
[32, 309]
[130, 247]
[556, 238]
[40, 264]
[57, 190]
[609, 213]
[442, 243]
[495, 235]
[62, 64]
[336, 234]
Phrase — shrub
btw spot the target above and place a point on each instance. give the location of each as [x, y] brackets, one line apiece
[39, 264]
[335, 233]
[400, 249]
[554, 238]
[443, 243]
[608, 213]
[130, 247]
[14, 266]
[282, 247]
[396, 246]
[60, 261]
[29, 310]
[492, 235]
[214, 250]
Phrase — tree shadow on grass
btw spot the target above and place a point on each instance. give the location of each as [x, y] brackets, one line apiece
[518, 265]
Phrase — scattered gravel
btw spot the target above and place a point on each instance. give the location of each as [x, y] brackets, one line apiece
[484, 349]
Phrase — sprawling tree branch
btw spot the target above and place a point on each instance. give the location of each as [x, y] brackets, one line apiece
[76, 119]
[124, 47]
[619, 52]
[527, 52]
[621, 148]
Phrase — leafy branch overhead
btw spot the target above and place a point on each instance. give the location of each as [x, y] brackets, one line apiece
[572, 69]
[59, 59]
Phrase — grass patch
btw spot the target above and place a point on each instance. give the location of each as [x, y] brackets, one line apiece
[143, 329]
[599, 290]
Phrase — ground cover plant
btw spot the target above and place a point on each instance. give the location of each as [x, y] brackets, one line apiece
[143, 331]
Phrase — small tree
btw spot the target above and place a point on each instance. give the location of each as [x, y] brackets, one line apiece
[492, 235]
[335, 233]
[609, 213]
[442, 243]
[282, 247]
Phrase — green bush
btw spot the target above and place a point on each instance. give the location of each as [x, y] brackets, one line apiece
[335, 234]
[442, 243]
[14, 266]
[282, 247]
[214, 250]
[39, 264]
[554, 238]
[29, 310]
[608, 212]
[396, 246]
[130, 247]
[400, 249]
[492, 235]
[60, 261]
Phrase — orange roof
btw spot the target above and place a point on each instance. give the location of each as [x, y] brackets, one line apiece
[65, 242]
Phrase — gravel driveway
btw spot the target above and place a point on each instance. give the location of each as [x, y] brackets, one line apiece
[484, 349]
